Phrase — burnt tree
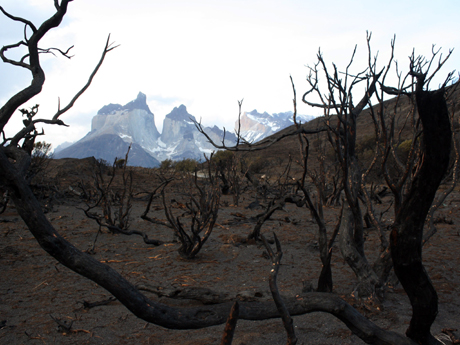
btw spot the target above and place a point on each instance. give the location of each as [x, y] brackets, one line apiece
[407, 231]
[406, 234]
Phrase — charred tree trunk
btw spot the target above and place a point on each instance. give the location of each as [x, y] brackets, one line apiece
[369, 284]
[351, 239]
[407, 232]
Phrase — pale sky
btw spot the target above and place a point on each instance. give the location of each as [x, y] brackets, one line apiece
[208, 54]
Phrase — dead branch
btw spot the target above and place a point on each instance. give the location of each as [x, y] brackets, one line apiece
[149, 204]
[230, 325]
[284, 312]
[273, 206]
[263, 144]
[431, 220]
[89, 305]
[55, 120]
[203, 212]
[117, 230]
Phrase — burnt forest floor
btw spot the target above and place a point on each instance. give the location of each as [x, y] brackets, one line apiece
[35, 290]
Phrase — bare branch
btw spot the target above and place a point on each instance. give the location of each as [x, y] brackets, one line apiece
[230, 326]
[38, 75]
[55, 120]
[280, 305]
[19, 63]
[108, 48]
[19, 19]
[262, 144]
[50, 51]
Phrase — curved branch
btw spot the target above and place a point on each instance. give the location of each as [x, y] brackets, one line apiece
[38, 75]
[20, 63]
[19, 19]
[55, 120]
[108, 48]
[50, 51]
[280, 305]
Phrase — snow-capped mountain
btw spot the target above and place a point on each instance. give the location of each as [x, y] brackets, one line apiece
[114, 127]
[256, 126]
[180, 138]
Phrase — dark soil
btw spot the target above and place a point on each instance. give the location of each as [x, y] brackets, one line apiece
[42, 302]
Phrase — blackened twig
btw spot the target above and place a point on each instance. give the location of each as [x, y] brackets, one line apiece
[285, 316]
[230, 326]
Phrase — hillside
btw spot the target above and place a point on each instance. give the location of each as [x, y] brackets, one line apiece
[289, 147]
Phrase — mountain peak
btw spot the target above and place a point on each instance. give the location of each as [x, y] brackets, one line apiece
[255, 126]
[256, 113]
[139, 103]
[180, 113]
[142, 97]
[109, 109]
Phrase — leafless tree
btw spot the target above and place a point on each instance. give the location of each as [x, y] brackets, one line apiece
[232, 171]
[414, 189]
[115, 203]
[406, 235]
[453, 175]
[202, 209]
[325, 283]
[339, 101]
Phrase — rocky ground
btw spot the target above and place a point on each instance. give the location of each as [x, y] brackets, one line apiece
[43, 302]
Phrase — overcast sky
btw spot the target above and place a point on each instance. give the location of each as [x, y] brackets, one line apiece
[208, 55]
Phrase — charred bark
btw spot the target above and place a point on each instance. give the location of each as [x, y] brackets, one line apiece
[230, 326]
[280, 305]
[369, 284]
[407, 232]
[263, 217]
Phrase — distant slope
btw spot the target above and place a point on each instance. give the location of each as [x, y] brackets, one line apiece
[109, 147]
[289, 147]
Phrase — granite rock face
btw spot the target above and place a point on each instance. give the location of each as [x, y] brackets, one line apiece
[134, 123]
[180, 138]
[177, 124]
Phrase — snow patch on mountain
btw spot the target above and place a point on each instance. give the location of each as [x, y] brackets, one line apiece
[255, 126]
